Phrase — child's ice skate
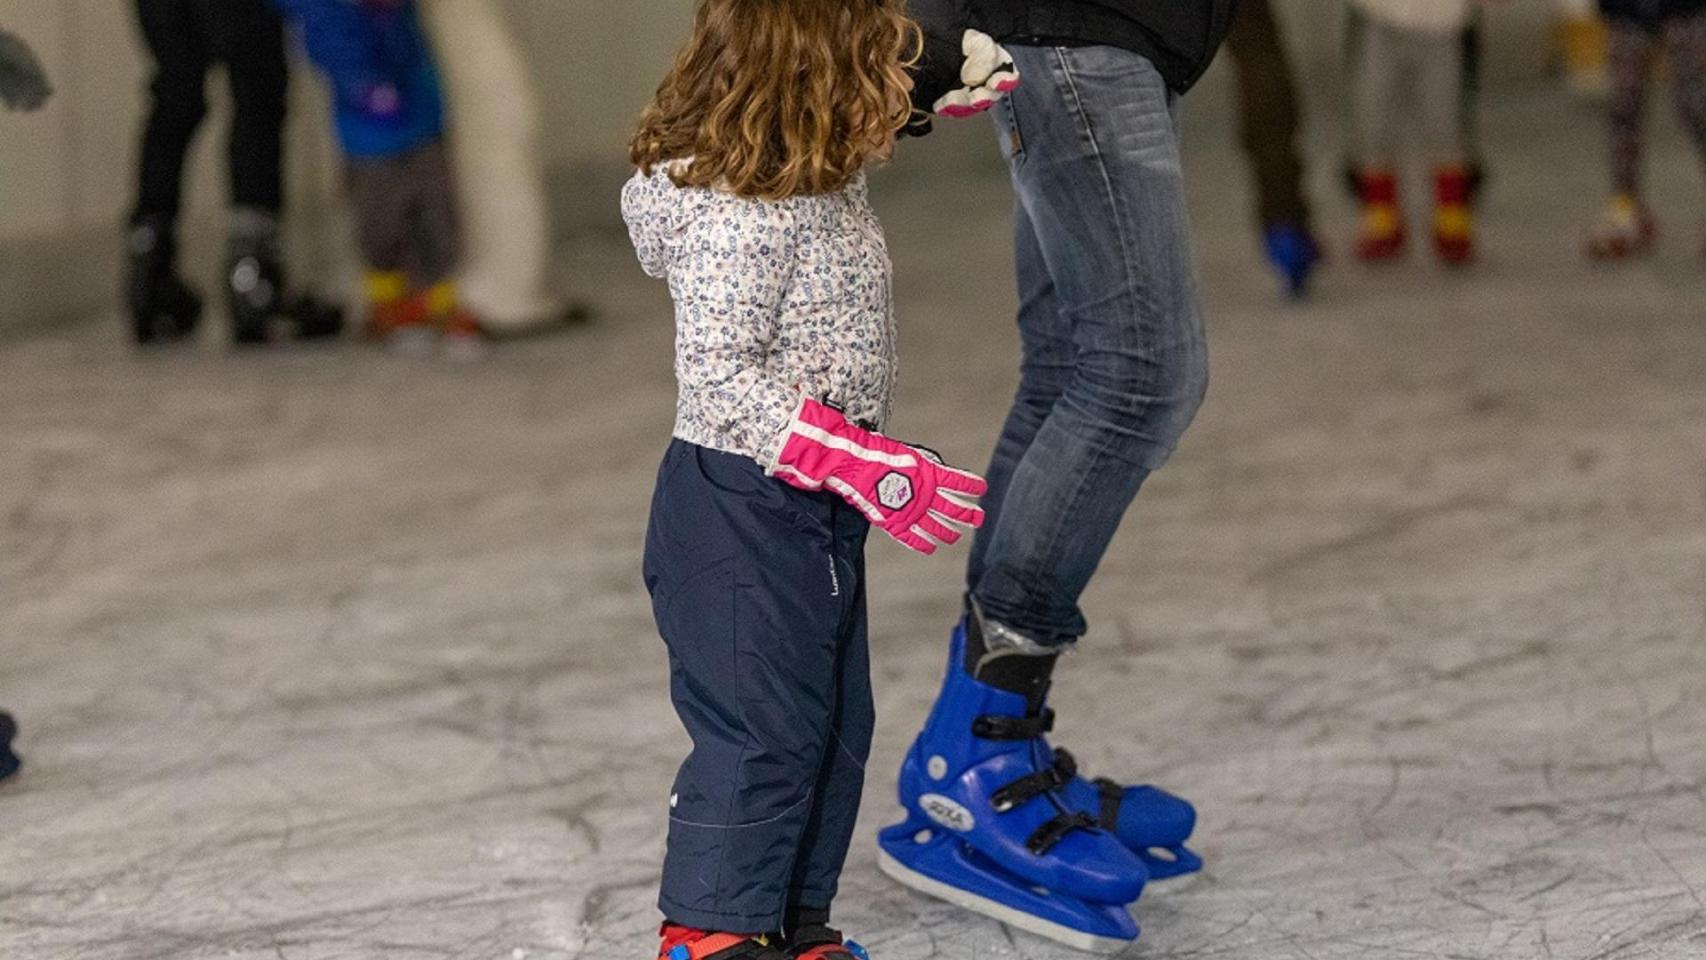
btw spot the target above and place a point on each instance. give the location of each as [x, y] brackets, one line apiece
[988, 827]
[395, 319]
[686, 943]
[1382, 236]
[1454, 221]
[1294, 252]
[464, 339]
[1625, 229]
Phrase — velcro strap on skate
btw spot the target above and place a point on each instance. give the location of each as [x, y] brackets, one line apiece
[1063, 772]
[817, 940]
[1112, 796]
[1013, 728]
[1054, 831]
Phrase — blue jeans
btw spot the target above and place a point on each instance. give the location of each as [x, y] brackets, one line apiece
[1114, 360]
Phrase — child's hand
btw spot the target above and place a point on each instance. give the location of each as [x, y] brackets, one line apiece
[964, 78]
[906, 491]
[23, 84]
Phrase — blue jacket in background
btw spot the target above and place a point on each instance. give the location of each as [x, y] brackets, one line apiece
[362, 45]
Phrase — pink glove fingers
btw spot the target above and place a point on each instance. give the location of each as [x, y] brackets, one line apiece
[950, 511]
[936, 530]
[961, 481]
[913, 541]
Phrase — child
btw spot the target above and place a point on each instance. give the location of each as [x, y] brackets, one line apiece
[1638, 27]
[23, 86]
[751, 202]
[1415, 43]
[390, 120]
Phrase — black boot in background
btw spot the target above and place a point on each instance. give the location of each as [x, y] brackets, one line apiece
[9, 762]
[162, 306]
[255, 284]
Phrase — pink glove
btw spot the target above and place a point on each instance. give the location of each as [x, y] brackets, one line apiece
[906, 491]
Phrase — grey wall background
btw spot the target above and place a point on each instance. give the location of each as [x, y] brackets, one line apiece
[65, 172]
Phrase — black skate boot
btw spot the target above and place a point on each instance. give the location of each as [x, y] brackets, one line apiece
[254, 279]
[255, 284]
[9, 762]
[162, 307]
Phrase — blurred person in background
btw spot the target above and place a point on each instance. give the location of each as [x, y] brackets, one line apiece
[1582, 40]
[1409, 75]
[1468, 114]
[505, 276]
[23, 83]
[186, 39]
[390, 117]
[23, 86]
[1268, 118]
[1639, 28]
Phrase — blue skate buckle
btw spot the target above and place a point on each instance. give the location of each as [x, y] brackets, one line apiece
[858, 952]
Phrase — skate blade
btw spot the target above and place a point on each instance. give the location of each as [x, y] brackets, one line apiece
[1018, 919]
[1165, 863]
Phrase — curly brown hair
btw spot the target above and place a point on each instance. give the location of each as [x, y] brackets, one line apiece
[774, 98]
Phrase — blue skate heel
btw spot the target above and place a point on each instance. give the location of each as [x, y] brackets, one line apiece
[988, 829]
[1295, 253]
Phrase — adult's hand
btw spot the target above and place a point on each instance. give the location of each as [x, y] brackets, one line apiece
[23, 83]
[962, 76]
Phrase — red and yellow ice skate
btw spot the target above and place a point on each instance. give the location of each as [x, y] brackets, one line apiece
[462, 335]
[686, 943]
[1454, 221]
[392, 314]
[1382, 235]
[1624, 230]
[816, 942]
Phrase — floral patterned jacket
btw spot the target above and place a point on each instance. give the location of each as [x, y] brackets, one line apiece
[772, 299]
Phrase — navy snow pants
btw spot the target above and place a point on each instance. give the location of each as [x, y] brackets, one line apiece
[759, 593]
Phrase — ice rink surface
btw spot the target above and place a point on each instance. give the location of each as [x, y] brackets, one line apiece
[326, 654]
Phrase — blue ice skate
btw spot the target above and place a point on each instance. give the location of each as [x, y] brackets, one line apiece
[989, 829]
[1294, 252]
[1151, 822]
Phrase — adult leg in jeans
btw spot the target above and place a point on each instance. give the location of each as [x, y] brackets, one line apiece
[1114, 368]
[1046, 367]
[1094, 154]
